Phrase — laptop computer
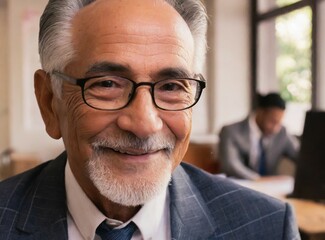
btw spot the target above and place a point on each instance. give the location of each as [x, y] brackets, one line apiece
[310, 169]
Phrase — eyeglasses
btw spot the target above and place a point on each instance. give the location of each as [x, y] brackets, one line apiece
[113, 93]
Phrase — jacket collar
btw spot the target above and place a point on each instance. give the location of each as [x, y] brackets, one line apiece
[190, 217]
[43, 208]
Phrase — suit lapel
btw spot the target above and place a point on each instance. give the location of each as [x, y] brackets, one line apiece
[245, 143]
[246, 133]
[190, 218]
[43, 210]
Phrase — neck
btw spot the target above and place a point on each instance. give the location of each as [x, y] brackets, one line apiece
[118, 212]
[114, 210]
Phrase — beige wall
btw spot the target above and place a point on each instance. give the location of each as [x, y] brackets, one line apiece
[229, 61]
[27, 130]
[4, 112]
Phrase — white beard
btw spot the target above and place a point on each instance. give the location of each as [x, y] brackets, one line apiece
[129, 191]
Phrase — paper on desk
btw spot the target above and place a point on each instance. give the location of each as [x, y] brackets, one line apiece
[275, 186]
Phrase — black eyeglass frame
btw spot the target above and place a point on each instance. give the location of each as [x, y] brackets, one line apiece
[82, 81]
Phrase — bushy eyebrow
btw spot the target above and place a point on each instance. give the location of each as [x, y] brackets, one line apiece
[174, 73]
[107, 67]
[116, 68]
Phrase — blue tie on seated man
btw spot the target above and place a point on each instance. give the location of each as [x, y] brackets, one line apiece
[253, 147]
[118, 82]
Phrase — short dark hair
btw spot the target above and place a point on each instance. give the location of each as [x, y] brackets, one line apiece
[270, 100]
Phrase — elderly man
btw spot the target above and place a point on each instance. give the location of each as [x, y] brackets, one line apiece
[118, 82]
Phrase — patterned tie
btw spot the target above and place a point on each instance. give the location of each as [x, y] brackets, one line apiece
[262, 158]
[107, 233]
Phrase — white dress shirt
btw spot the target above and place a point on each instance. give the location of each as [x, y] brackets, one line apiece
[83, 216]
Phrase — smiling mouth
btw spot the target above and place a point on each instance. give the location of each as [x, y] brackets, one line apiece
[131, 152]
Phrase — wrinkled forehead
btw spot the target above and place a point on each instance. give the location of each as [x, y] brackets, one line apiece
[149, 19]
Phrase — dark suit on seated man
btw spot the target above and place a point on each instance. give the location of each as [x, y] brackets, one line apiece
[118, 82]
[254, 147]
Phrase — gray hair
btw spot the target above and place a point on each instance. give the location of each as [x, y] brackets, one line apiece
[55, 37]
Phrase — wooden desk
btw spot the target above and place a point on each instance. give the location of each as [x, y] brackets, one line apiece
[310, 218]
[310, 215]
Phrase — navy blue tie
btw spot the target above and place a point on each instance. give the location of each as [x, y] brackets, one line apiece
[107, 233]
[262, 159]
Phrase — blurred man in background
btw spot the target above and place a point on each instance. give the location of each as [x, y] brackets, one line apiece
[254, 147]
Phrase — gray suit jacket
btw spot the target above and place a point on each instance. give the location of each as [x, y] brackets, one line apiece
[203, 206]
[234, 150]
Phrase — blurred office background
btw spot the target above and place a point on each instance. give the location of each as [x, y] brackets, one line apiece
[254, 46]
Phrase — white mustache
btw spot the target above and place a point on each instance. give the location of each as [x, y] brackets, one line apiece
[126, 142]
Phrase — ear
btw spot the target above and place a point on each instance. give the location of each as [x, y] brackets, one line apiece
[46, 103]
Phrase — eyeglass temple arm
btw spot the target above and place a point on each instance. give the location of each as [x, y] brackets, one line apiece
[65, 77]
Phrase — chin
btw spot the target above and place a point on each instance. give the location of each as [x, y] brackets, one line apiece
[132, 189]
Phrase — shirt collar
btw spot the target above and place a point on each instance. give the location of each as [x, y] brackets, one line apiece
[153, 216]
[87, 217]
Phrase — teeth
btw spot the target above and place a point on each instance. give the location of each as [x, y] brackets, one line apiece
[129, 153]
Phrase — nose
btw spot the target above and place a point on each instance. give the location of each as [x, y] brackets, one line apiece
[141, 117]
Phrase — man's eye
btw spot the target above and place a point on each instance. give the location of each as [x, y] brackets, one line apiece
[104, 83]
[171, 87]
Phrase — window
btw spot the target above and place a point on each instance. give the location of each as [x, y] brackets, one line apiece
[267, 5]
[284, 55]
